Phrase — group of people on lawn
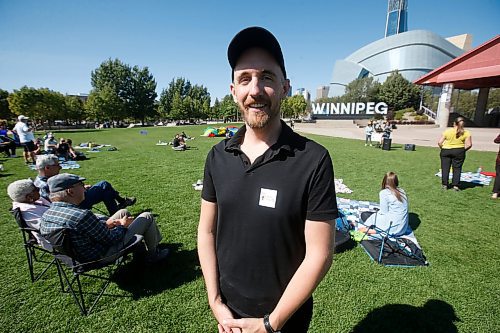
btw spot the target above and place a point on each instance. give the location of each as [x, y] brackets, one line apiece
[384, 129]
[55, 201]
[264, 248]
[23, 135]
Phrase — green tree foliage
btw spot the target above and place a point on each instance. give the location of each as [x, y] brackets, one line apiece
[182, 100]
[104, 104]
[114, 75]
[293, 107]
[5, 112]
[23, 101]
[494, 98]
[39, 104]
[52, 105]
[362, 90]
[399, 93]
[464, 102]
[132, 87]
[75, 109]
[336, 99]
[229, 109]
[141, 94]
[214, 110]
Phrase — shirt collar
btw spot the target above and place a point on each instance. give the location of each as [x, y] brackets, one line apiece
[63, 204]
[284, 141]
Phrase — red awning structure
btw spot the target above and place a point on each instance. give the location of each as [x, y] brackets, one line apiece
[478, 68]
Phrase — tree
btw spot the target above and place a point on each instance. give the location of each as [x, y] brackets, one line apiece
[399, 93]
[293, 107]
[494, 98]
[228, 110]
[114, 75]
[75, 109]
[133, 87]
[141, 94]
[181, 100]
[104, 104]
[23, 101]
[51, 105]
[362, 90]
[5, 112]
[38, 104]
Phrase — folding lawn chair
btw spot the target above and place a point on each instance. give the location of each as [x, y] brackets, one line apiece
[35, 252]
[67, 260]
[342, 228]
[390, 250]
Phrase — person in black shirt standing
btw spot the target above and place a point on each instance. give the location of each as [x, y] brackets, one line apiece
[265, 235]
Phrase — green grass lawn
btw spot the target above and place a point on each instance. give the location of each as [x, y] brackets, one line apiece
[458, 231]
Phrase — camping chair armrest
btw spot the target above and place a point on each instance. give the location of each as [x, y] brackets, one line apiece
[30, 229]
[106, 260]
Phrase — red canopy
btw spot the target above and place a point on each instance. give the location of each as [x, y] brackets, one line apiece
[478, 68]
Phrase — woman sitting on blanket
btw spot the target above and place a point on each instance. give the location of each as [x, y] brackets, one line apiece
[393, 211]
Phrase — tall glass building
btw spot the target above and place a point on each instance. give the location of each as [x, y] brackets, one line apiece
[397, 17]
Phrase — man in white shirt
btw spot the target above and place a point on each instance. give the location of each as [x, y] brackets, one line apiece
[26, 138]
[50, 144]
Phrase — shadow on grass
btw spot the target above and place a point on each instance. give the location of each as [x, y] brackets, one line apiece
[414, 221]
[6, 174]
[142, 281]
[467, 185]
[434, 316]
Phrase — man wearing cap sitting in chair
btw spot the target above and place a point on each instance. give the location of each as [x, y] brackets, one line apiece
[265, 248]
[90, 238]
[48, 166]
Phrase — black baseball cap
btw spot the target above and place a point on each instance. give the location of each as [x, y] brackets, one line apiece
[63, 181]
[254, 37]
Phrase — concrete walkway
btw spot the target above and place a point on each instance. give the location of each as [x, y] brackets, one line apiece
[420, 135]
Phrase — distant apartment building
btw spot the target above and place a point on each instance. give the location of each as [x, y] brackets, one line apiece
[322, 92]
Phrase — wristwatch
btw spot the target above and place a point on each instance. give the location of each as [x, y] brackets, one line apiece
[268, 326]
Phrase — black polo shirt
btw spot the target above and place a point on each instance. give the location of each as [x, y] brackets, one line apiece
[262, 208]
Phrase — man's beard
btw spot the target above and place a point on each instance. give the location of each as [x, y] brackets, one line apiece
[258, 120]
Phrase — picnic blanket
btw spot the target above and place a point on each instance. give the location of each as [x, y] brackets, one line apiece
[471, 177]
[352, 209]
[340, 187]
[198, 186]
[64, 165]
[91, 146]
[403, 251]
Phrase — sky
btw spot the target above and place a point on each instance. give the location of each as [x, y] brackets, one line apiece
[56, 44]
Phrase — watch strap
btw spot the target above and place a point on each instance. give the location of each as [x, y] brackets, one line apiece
[267, 325]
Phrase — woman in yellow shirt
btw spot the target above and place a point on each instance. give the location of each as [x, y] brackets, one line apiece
[453, 143]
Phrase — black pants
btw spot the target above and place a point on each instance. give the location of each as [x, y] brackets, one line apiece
[496, 186]
[454, 157]
[298, 322]
[8, 146]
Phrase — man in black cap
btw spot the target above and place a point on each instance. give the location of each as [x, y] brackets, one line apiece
[265, 236]
[91, 238]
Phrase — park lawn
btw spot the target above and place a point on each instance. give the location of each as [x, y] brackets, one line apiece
[458, 231]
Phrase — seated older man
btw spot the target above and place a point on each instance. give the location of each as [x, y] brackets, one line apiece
[26, 197]
[90, 238]
[48, 166]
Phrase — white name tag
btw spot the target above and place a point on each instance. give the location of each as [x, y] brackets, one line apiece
[267, 198]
